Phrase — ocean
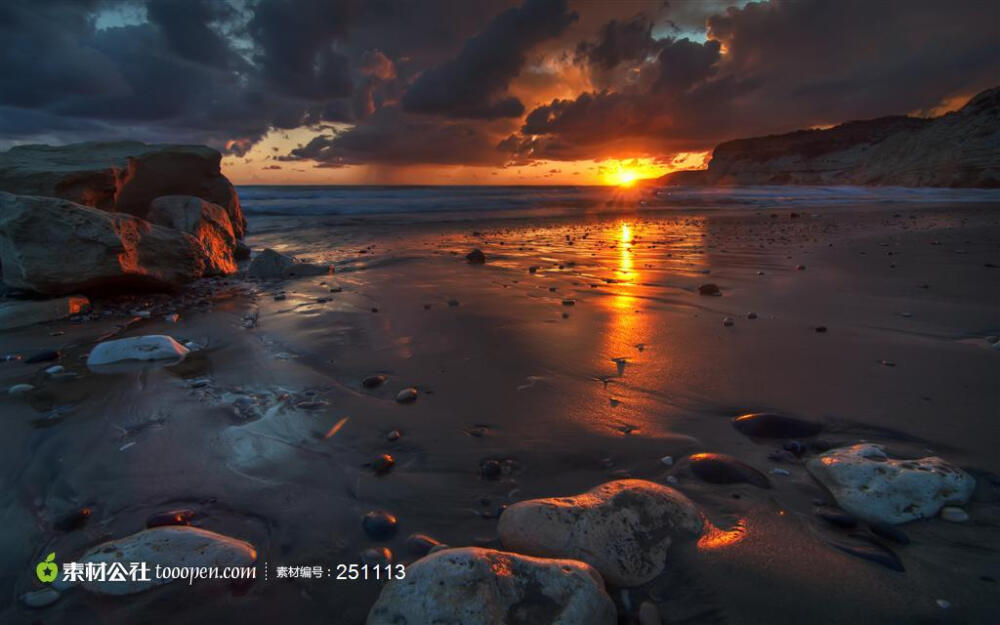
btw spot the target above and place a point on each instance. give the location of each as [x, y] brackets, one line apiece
[464, 202]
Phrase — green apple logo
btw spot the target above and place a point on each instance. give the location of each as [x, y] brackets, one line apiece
[47, 571]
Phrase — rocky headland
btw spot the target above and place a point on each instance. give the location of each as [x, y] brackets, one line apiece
[958, 149]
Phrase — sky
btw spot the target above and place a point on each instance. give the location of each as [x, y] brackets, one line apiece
[477, 91]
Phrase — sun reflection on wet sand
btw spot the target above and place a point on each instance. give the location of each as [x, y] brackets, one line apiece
[715, 538]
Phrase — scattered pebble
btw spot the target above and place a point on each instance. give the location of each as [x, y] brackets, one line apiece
[568, 302]
[383, 464]
[407, 395]
[476, 257]
[379, 524]
[728, 321]
[800, 267]
[393, 436]
[376, 556]
[181, 516]
[46, 356]
[373, 381]
[490, 469]
[954, 514]
[751, 315]
[667, 460]
[40, 598]
[723, 469]
[172, 318]
[944, 604]
[821, 329]
[780, 471]
[709, 289]
[20, 389]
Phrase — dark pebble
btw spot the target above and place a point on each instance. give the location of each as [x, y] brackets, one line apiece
[782, 455]
[373, 381]
[723, 469]
[379, 525]
[376, 556]
[476, 257]
[821, 329]
[46, 356]
[420, 544]
[769, 425]
[873, 551]
[383, 464]
[794, 447]
[709, 289]
[73, 520]
[173, 517]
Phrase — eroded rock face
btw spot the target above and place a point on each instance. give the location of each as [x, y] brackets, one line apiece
[873, 487]
[271, 265]
[56, 247]
[205, 221]
[474, 586]
[622, 528]
[168, 546]
[123, 176]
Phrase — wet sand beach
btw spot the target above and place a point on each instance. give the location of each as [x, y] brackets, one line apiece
[581, 351]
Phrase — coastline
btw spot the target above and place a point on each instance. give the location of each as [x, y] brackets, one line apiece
[504, 375]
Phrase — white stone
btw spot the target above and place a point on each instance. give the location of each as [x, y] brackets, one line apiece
[40, 598]
[667, 460]
[407, 395]
[871, 486]
[142, 348]
[474, 586]
[55, 370]
[622, 528]
[168, 546]
[20, 389]
[954, 514]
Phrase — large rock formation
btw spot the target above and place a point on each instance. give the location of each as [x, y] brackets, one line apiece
[56, 247]
[959, 149]
[123, 176]
[205, 221]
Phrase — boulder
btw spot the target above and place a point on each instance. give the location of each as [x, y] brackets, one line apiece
[474, 586]
[122, 176]
[622, 528]
[203, 220]
[270, 265]
[141, 348]
[166, 546]
[20, 313]
[55, 247]
[871, 486]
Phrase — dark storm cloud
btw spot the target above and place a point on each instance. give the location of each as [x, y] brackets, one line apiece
[474, 83]
[391, 136]
[787, 65]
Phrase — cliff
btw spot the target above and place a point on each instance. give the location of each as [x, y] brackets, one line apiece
[959, 149]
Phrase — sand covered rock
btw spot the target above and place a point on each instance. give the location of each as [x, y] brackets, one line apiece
[56, 247]
[167, 546]
[141, 348]
[476, 586]
[20, 313]
[622, 528]
[271, 265]
[873, 487]
[121, 176]
[205, 221]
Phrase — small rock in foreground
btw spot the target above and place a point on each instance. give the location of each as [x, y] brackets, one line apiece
[475, 586]
[143, 348]
[476, 257]
[709, 289]
[622, 528]
[723, 469]
[770, 425]
[407, 395]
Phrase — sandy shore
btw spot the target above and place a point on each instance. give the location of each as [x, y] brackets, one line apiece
[267, 433]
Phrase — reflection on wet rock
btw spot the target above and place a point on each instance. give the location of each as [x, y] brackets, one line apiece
[622, 528]
[476, 586]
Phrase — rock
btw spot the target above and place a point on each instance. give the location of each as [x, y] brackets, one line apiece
[40, 598]
[73, 520]
[393, 436]
[379, 525]
[168, 547]
[723, 469]
[270, 265]
[407, 395]
[142, 348]
[490, 469]
[476, 257]
[17, 314]
[55, 370]
[55, 247]
[954, 514]
[769, 425]
[751, 315]
[373, 381]
[872, 487]
[383, 463]
[20, 389]
[376, 556]
[45, 356]
[120, 177]
[622, 528]
[420, 544]
[475, 586]
[667, 460]
[709, 289]
[207, 222]
[181, 516]
[728, 322]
